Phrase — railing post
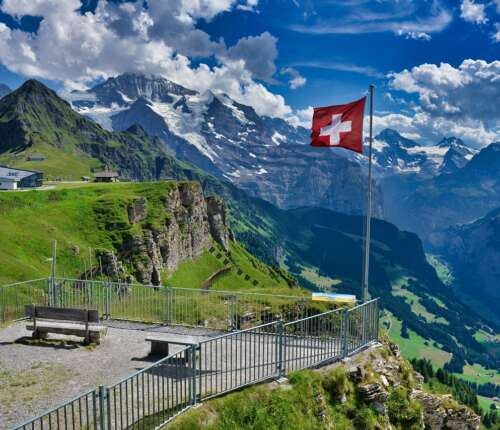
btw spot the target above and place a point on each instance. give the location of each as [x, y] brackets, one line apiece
[280, 340]
[193, 385]
[167, 306]
[102, 409]
[345, 334]
[106, 299]
[3, 303]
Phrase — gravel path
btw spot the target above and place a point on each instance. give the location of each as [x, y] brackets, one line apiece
[37, 377]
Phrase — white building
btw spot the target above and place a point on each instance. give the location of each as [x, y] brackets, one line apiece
[7, 183]
[12, 179]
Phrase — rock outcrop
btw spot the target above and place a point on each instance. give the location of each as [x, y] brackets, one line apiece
[381, 373]
[441, 412]
[161, 233]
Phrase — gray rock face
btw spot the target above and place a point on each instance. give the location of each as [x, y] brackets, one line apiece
[137, 210]
[192, 222]
[216, 210]
[441, 413]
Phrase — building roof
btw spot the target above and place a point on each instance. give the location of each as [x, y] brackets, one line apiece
[15, 174]
[106, 174]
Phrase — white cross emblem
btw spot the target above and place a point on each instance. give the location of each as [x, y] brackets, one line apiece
[335, 128]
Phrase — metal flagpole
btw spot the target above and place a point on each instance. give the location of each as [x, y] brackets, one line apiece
[369, 204]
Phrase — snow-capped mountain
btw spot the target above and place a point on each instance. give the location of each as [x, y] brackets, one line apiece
[265, 156]
[394, 154]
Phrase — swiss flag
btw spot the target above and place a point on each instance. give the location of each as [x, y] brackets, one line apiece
[340, 126]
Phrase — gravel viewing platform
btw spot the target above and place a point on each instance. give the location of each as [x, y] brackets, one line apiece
[38, 375]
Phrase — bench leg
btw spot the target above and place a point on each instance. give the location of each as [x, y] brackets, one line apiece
[159, 348]
[37, 334]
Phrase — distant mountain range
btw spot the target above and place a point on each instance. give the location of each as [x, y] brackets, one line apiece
[396, 155]
[264, 156]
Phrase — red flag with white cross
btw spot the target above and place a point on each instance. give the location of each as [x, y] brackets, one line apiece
[339, 126]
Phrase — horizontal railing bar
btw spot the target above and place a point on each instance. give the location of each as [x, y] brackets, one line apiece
[362, 304]
[197, 290]
[24, 282]
[314, 316]
[239, 332]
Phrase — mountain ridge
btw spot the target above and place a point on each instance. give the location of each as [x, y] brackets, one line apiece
[264, 156]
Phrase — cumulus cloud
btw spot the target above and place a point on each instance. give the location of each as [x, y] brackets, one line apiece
[259, 54]
[161, 39]
[302, 117]
[473, 12]
[423, 127]
[296, 79]
[461, 100]
[469, 91]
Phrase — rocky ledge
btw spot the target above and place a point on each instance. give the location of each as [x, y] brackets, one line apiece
[159, 232]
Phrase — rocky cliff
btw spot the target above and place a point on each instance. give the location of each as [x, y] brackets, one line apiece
[158, 232]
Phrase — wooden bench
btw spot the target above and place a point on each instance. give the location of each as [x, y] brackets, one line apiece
[78, 322]
[160, 346]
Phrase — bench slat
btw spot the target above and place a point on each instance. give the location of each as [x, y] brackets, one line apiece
[185, 340]
[62, 314]
[67, 329]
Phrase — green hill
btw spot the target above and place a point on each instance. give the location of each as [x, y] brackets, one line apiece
[35, 121]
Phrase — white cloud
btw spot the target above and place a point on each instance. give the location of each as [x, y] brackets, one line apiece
[473, 12]
[469, 91]
[423, 127]
[397, 16]
[341, 67]
[296, 79]
[496, 35]
[415, 35]
[76, 49]
[458, 101]
[302, 117]
[259, 54]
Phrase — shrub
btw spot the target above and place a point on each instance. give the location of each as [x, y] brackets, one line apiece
[404, 414]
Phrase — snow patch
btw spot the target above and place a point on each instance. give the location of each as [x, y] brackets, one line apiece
[278, 138]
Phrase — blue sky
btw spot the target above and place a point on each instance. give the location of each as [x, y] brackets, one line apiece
[429, 59]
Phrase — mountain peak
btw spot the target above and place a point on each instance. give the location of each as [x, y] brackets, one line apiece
[392, 137]
[450, 141]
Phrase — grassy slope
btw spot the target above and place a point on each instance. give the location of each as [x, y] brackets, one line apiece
[79, 215]
[414, 346]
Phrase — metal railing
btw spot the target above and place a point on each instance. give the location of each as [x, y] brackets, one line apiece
[82, 413]
[220, 310]
[237, 359]
[14, 297]
[272, 336]
[155, 394]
